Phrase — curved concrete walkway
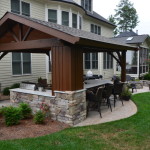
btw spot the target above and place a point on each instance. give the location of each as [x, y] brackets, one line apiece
[119, 112]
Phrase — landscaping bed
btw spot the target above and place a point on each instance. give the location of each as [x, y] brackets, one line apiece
[27, 128]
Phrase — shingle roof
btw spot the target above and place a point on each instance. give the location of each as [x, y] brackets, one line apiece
[93, 15]
[75, 32]
[135, 39]
[127, 34]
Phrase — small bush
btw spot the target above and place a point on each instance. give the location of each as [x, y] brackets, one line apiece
[16, 85]
[39, 117]
[2, 110]
[12, 115]
[25, 110]
[147, 77]
[6, 91]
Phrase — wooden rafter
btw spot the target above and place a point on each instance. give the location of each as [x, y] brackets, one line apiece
[20, 32]
[14, 35]
[27, 34]
[115, 58]
[1, 56]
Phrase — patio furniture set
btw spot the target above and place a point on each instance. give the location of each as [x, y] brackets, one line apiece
[99, 92]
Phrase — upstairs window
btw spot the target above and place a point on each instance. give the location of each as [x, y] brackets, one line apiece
[80, 22]
[107, 61]
[20, 7]
[91, 61]
[52, 16]
[86, 4]
[65, 18]
[95, 29]
[15, 6]
[25, 9]
[74, 20]
[21, 63]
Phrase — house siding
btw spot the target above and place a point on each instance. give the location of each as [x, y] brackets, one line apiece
[38, 60]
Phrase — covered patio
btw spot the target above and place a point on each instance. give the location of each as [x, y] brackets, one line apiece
[67, 45]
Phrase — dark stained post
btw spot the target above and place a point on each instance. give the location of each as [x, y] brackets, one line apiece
[67, 68]
[123, 67]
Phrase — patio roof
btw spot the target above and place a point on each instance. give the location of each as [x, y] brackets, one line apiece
[25, 34]
[70, 35]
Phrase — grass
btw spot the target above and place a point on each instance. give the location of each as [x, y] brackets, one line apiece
[128, 134]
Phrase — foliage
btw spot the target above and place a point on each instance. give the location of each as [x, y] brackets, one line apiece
[16, 85]
[147, 76]
[126, 92]
[6, 91]
[2, 110]
[39, 79]
[111, 19]
[25, 110]
[12, 115]
[39, 117]
[126, 17]
[132, 133]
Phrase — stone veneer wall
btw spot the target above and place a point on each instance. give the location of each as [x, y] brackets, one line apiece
[67, 107]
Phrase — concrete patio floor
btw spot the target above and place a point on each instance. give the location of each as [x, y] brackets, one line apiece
[119, 112]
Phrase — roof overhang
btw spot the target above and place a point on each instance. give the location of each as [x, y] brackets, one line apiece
[10, 20]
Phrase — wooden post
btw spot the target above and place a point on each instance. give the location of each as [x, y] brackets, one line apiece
[67, 68]
[123, 67]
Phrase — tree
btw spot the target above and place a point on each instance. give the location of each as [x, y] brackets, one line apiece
[113, 21]
[126, 17]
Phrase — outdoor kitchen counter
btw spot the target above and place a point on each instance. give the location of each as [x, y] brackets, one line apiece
[48, 93]
[94, 83]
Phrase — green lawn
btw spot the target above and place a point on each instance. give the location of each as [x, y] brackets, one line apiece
[128, 134]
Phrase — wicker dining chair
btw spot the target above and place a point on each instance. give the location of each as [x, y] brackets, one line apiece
[107, 93]
[117, 90]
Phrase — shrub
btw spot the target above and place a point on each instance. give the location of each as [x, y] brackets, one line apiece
[126, 92]
[16, 85]
[25, 110]
[147, 76]
[2, 110]
[6, 91]
[12, 115]
[39, 117]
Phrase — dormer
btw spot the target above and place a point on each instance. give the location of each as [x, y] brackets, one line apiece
[86, 4]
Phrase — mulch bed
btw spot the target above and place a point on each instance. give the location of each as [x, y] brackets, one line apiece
[28, 129]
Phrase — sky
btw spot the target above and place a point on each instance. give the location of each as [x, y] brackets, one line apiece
[106, 7]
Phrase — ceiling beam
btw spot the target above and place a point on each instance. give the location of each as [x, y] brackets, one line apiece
[34, 44]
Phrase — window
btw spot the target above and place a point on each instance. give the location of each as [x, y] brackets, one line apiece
[95, 29]
[65, 18]
[21, 63]
[86, 4]
[52, 16]
[107, 61]
[80, 23]
[91, 61]
[15, 6]
[20, 7]
[74, 20]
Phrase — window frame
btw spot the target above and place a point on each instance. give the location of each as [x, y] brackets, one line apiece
[62, 18]
[21, 62]
[96, 29]
[73, 23]
[91, 61]
[107, 61]
[87, 4]
[56, 15]
[20, 7]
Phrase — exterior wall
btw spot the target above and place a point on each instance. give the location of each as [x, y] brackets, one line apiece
[38, 70]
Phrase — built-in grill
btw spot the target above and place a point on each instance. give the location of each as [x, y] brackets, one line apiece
[28, 86]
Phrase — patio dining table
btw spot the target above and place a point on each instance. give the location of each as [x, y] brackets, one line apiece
[96, 83]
